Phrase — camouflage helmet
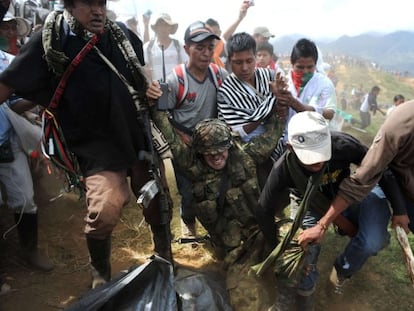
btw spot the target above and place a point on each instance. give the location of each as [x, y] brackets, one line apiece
[211, 136]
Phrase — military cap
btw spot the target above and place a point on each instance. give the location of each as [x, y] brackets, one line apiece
[211, 136]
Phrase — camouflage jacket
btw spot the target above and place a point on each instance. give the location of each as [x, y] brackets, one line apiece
[229, 216]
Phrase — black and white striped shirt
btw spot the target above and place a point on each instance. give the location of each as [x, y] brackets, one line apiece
[240, 103]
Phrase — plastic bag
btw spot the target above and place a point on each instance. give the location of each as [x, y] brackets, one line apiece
[29, 134]
[201, 291]
[153, 287]
[147, 287]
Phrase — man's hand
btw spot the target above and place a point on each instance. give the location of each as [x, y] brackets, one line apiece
[284, 97]
[402, 221]
[311, 235]
[279, 84]
[146, 18]
[22, 105]
[243, 10]
[153, 91]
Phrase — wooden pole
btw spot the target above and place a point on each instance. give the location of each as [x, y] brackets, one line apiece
[407, 251]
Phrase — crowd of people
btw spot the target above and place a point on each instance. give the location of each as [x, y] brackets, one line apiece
[247, 141]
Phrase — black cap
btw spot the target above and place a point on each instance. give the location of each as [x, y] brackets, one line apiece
[197, 32]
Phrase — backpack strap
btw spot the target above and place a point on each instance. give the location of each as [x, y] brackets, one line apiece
[149, 52]
[180, 73]
[181, 76]
[216, 74]
[178, 48]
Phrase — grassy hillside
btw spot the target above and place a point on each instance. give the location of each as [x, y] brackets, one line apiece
[390, 84]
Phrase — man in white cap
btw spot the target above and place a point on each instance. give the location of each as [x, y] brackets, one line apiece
[323, 159]
[163, 43]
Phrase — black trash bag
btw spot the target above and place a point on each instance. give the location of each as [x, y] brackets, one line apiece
[201, 291]
[146, 287]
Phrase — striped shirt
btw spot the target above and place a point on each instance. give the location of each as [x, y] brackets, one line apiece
[240, 103]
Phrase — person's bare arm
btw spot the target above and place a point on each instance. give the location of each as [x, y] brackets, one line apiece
[146, 20]
[22, 105]
[232, 28]
[250, 127]
[287, 98]
[316, 233]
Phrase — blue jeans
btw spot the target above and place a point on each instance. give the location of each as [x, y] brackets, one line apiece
[371, 216]
[185, 188]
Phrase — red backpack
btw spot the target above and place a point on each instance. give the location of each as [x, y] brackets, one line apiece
[181, 76]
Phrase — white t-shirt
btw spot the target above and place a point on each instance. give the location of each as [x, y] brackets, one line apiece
[364, 106]
[153, 58]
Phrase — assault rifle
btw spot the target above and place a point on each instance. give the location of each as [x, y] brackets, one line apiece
[155, 188]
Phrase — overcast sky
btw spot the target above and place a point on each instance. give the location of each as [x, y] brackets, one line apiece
[314, 19]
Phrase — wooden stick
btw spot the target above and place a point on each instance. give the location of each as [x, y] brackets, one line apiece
[407, 251]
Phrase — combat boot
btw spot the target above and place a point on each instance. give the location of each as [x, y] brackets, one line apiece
[27, 231]
[100, 253]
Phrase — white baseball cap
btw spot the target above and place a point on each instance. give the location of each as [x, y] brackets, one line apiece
[310, 138]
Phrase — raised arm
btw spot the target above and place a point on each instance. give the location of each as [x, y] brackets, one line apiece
[242, 14]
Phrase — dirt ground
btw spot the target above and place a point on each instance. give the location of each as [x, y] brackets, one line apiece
[60, 237]
[61, 224]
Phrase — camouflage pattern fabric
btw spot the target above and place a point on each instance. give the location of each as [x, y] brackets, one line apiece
[211, 136]
[231, 224]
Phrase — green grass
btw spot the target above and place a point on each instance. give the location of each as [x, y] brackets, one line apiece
[389, 84]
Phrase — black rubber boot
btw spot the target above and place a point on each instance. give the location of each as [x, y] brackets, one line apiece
[27, 231]
[100, 253]
[161, 235]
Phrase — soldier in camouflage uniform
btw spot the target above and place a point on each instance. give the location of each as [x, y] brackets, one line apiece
[226, 191]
